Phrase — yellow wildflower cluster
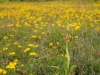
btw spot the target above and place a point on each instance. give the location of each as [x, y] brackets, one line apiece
[77, 27]
[15, 43]
[26, 28]
[2, 71]
[5, 48]
[12, 65]
[12, 53]
[27, 49]
[30, 45]
[32, 54]
[50, 44]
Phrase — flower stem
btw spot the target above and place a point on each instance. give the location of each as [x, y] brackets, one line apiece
[67, 61]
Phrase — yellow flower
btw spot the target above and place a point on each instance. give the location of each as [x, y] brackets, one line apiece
[12, 53]
[18, 25]
[13, 30]
[91, 25]
[0, 70]
[10, 25]
[5, 37]
[4, 71]
[39, 37]
[33, 54]
[40, 28]
[62, 54]
[26, 24]
[16, 60]
[19, 46]
[34, 36]
[76, 37]
[30, 45]
[27, 49]
[77, 27]
[43, 33]
[59, 23]
[50, 44]
[11, 35]
[22, 65]
[58, 43]
[5, 48]
[36, 46]
[11, 65]
[52, 24]
[35, 31]
[8, 45]
[15, 43]
[63, 26]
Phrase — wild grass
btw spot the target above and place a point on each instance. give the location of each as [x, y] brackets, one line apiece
[32, 38]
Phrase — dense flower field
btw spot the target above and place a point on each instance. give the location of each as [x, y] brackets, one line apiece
[32, 38]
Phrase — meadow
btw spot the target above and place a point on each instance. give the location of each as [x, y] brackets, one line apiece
[32, 38]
